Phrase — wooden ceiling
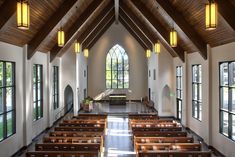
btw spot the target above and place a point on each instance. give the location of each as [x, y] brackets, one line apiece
[146, 20]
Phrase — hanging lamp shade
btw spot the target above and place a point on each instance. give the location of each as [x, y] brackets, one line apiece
[76, 47]
[148, 53]
[86, 53]
[157, 47]
[23, 16]
[61, 38]
[211, 15]
[173, 38]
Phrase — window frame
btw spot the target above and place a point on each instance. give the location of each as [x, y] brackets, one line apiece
[179, 99]
[13, 110]
[117, 70]
[198, 101]
[37, 116]
[55, 94]
[221, 110]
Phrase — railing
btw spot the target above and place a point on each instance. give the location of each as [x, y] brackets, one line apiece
[64, 111]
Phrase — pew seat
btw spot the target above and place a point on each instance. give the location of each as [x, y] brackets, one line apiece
[175, 154]
[63, 154]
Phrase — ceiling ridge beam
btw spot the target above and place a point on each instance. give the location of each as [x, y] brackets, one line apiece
[101, 32]
[50, 24]
[186, 28]
[143, 27]
[227, 11]
[163, 32]
[133, 34]
[95, 31]
[137, 30]
[75, 27]
[82, 36]
[7, 10]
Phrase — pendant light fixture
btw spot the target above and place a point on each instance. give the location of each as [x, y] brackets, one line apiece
[211, 15]
[76, 47]
[148, 53]
[23, 16]
[157, 47]
[173, 38]
[86, 53]
[61, 37]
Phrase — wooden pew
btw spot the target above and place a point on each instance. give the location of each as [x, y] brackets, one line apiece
[138, 125]
[68, 147]
[156, 129]
[143, 116]
[75, 134]
[155, 147]
[83, 129]
[73, 140]
[163, 140]
[82, 125]
[159, 134]
[63, 154]
[175, 154]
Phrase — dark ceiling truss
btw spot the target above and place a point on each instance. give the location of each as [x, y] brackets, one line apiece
[51, 23]
[188, 30]
[124, 9]
[72, 31]
[227, 11]
[99, 27]
[164, 33]
[136, 30]
[137, 38]
[83, 35]
[100, 33]
[7, 10]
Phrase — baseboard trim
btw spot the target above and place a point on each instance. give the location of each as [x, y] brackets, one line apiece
[215, 151]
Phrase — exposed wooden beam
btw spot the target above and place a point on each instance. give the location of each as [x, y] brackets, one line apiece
[7, 9]
[51, 23]
[163, 32]
[150, 34]
[145, 47]
[83, 35]
[116, 5]
[75, 27]
[95, 31]
[227, 10]
[188, 30]
[137, 30]
[103, 30]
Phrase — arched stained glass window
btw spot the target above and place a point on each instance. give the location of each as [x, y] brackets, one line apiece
[117, 68]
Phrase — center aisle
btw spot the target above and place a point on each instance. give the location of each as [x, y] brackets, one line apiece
[118, 141]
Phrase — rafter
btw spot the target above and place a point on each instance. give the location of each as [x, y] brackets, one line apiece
[99, 34]
[43, 33]
[92, 35]
[150, 34]
[163, 32]
[188, 30]
[145, 47]
[83, 35]
[7, 9]
[227, 10]
[75, 27]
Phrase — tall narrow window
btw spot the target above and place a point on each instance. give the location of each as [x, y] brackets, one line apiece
[197, 91]
[179, 91]
[117, 68]
[7, 99]
[56, 87]
[37, 92]
[227, 99]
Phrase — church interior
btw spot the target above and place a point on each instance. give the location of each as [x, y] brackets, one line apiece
[117, 78]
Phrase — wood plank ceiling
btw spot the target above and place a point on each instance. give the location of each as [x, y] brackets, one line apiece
[147, 20]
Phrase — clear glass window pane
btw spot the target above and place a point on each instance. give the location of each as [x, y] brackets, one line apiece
[224, 98]
[200, 111]
[1, 74]
[9, 77]
[39, 91]
[34, 73]
[233, 100]
[1, 100]
[34, 111]
[1, 127]
[108, 84]
[9, 123]
[232, 74]
[195, 94]
[233, 127]
[9, 98]
[225, 123]
[126, 83]
[108, 74]
[114, 75]
[224, 74]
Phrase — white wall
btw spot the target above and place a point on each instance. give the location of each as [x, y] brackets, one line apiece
[162, 87]
[117, 34]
